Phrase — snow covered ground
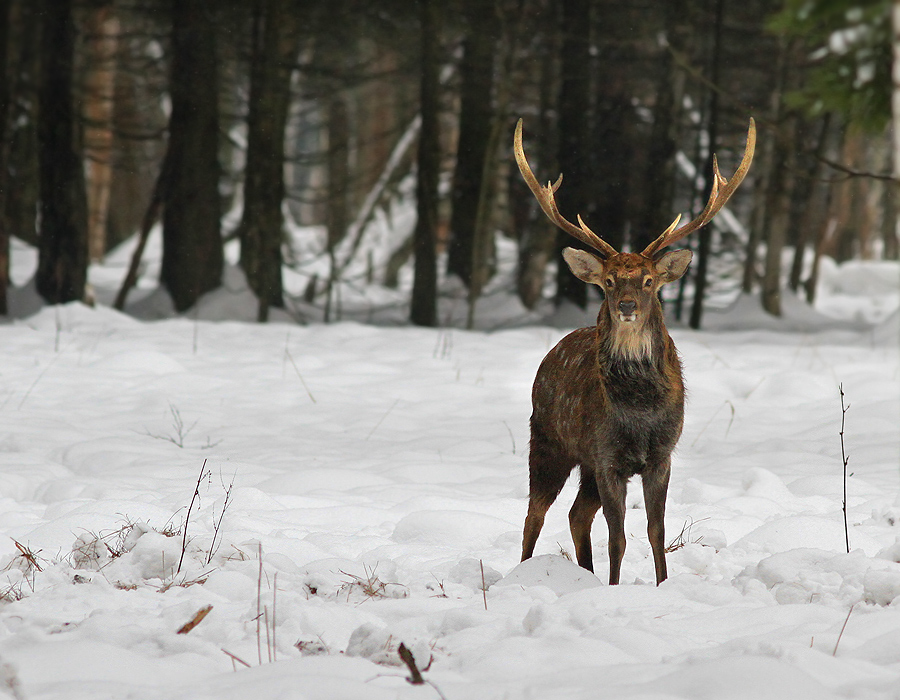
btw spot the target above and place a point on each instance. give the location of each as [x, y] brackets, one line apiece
[359, 487]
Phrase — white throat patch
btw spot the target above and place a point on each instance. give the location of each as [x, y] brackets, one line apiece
[630, 342]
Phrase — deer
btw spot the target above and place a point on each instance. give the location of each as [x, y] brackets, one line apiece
[609, 399]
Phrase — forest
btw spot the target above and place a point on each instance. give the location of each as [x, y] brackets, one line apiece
[223, 121]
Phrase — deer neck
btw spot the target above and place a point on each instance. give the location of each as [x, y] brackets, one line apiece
[636, 341]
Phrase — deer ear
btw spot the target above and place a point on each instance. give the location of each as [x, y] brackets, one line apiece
[585, 266]
[673, 265]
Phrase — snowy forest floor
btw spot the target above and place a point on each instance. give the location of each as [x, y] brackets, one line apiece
[359, 486]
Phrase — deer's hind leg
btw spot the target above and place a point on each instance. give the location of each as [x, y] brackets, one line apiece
[548, 469]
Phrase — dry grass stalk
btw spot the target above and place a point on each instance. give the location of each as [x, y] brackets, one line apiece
[370, 586]
[483, 586]
[841, 633]
[195, 620]
[29, 556]
[235, 658]
[259, 607]
[684, 537]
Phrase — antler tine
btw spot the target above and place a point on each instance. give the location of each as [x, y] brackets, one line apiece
[545, 197]
[720, 193]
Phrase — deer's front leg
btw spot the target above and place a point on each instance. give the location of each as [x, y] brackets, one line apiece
[612, 488]
[581, 517]
[656, 484]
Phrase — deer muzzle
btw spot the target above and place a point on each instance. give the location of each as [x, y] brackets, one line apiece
[627, 311]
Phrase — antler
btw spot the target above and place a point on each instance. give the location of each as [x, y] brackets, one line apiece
[722, 190]
[545, 198]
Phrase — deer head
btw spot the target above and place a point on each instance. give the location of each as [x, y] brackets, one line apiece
[630, 281]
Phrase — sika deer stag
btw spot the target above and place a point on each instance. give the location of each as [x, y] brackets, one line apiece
[610, 399]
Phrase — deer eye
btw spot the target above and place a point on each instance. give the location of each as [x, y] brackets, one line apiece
[648, 282]
[609, 283]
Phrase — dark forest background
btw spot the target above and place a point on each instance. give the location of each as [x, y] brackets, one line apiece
[117, 114]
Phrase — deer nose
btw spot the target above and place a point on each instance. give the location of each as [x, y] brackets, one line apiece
[627, 308]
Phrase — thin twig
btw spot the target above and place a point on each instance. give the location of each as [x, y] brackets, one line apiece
[730, 420]
[844, 458]
[37, 379]
[268, 634]
[853, 172]
[217, 524]
[274, 599]
[299, 376]
[381, 420]
[841, 633]
[483, 587]
[259, 607]
[236, 658]
[187, 518]
[511, 436]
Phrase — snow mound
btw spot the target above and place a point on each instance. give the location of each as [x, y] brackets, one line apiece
[554, 572]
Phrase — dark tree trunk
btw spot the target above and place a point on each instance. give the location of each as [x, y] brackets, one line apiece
[889, 221]
[274, 44]
[704, 240]
[537, 236]
[6, 80]
[423, 307]
[62, 262]
[192, 244]
[814, 209]
[21, 202]
[779, 193]
[659, 182]
[762, 164]
[475, 122]
[574, 138]
[337, 214]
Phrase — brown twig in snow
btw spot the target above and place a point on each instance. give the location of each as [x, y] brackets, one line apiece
[195, 620]
[483, 587]
[407, 658]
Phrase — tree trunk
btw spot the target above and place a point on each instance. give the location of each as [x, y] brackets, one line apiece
[892, 225]
[574, 138]
[704, 240]
[889, 220]
[274, 46]
[476, 116]
[814, 208]
[337, 215]
[21, 141]
[758, 217]
[6, 81]
[778, 208]
[779, 193]
[423, 306]
[62, 262]
[537, 236]
[842, 244]
[192, 244]
[659, 181]
[100, 88]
